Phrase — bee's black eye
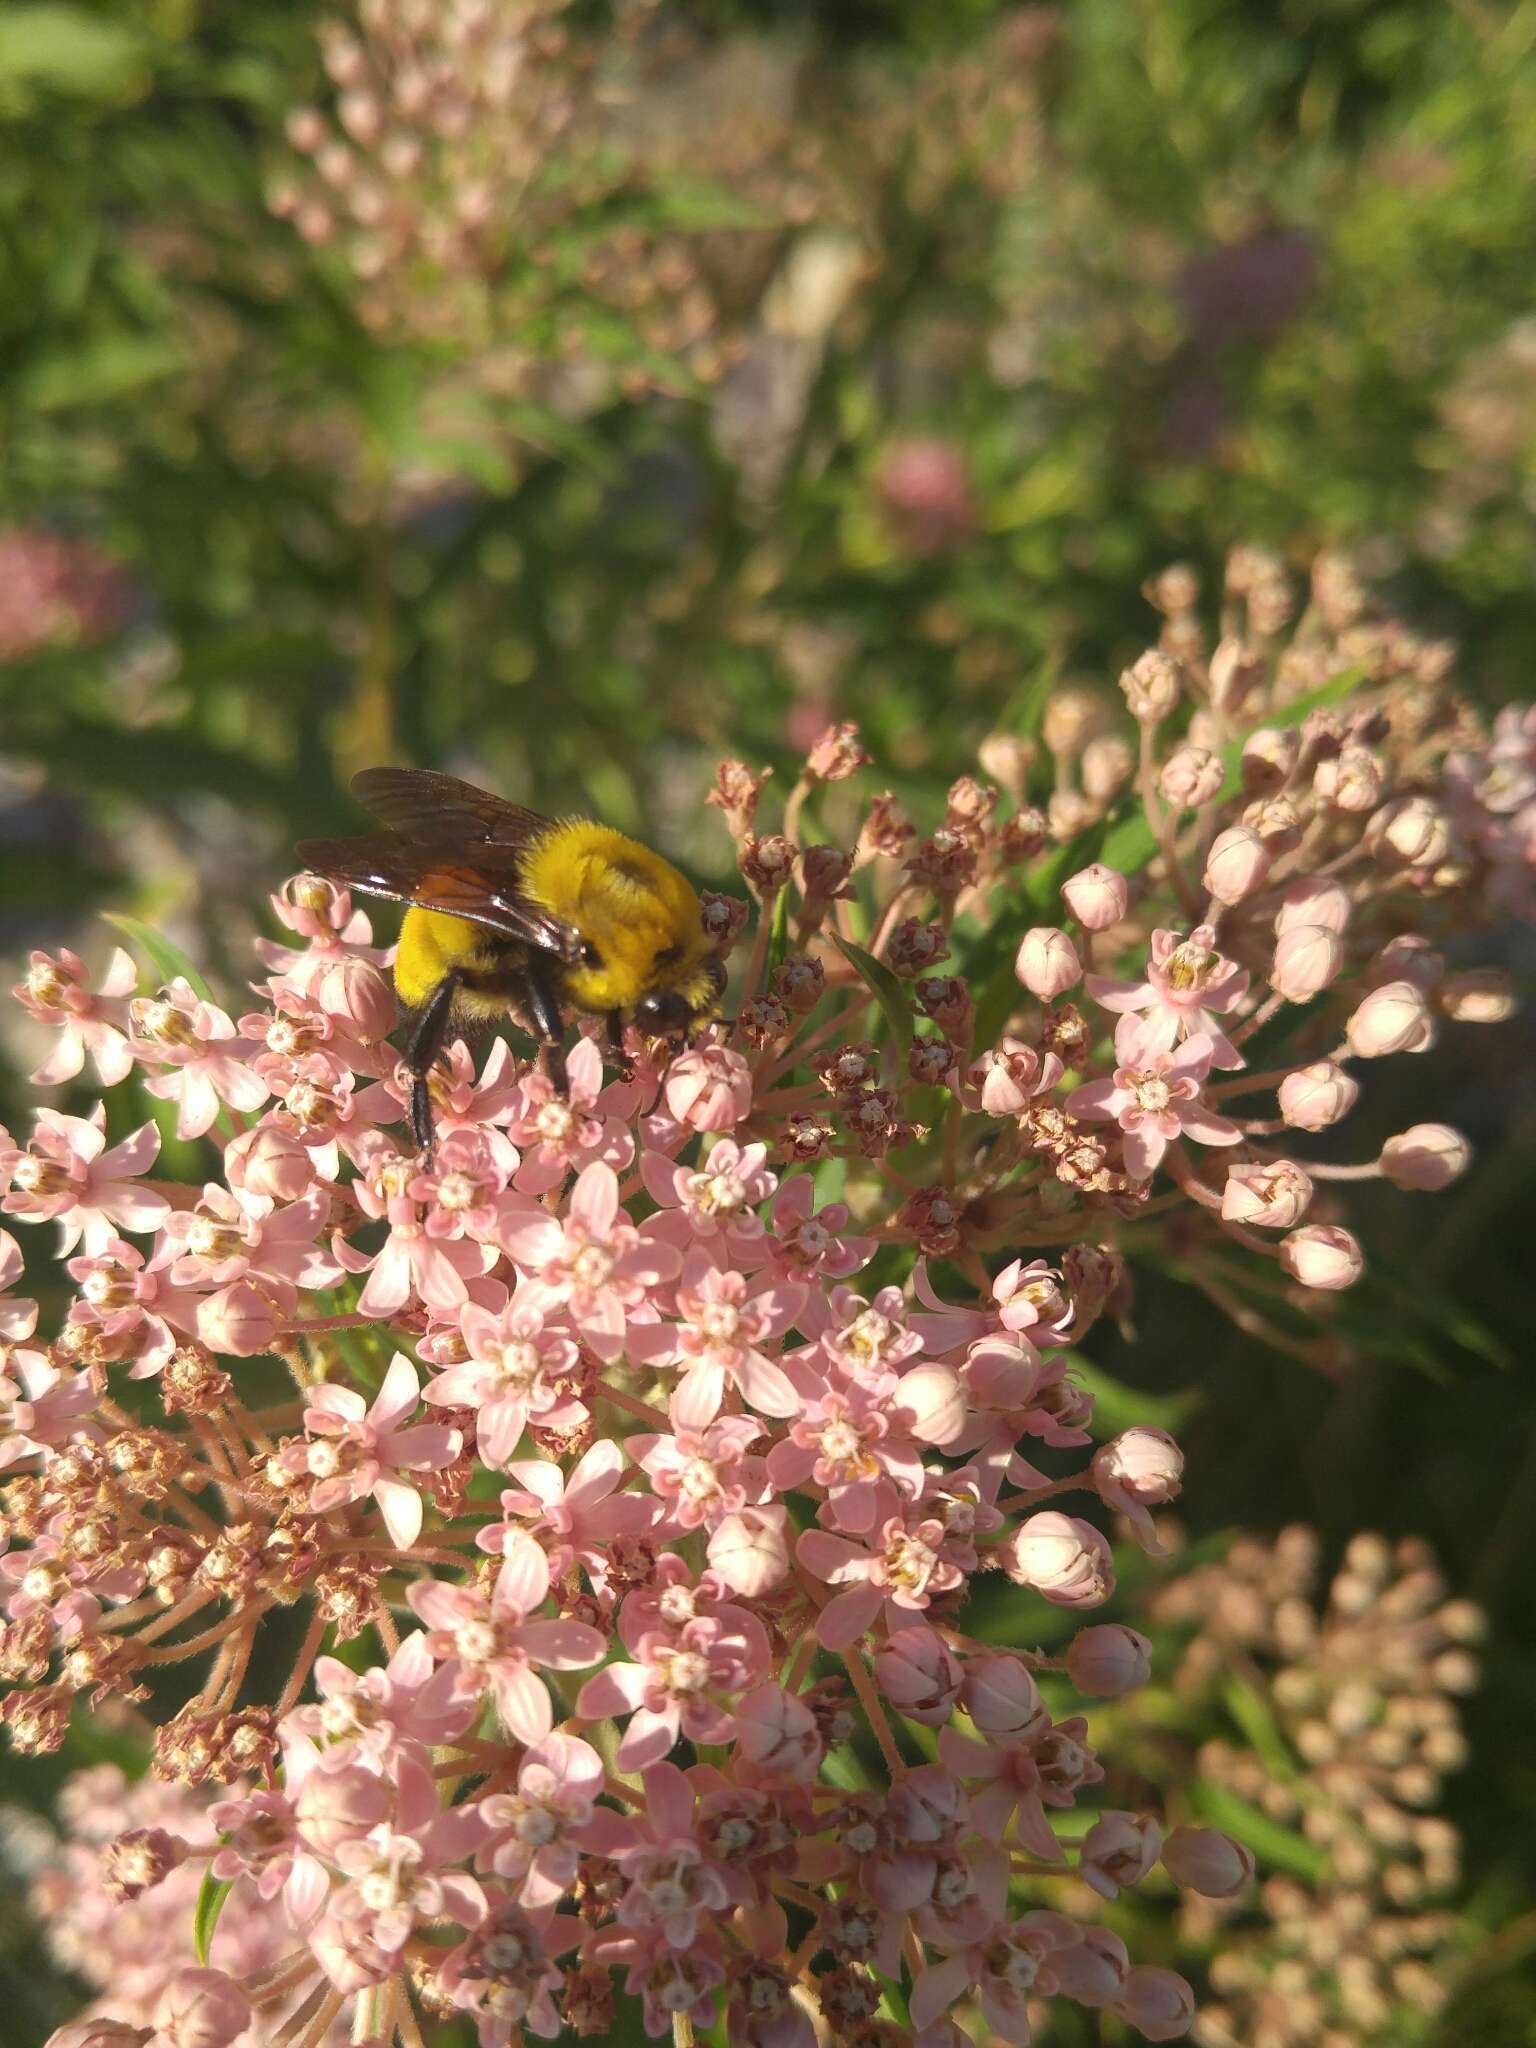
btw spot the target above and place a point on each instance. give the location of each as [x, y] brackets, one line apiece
[662, 1011]
[589, 954]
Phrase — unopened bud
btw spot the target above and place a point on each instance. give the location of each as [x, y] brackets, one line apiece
[1314, 901]
[1207, 1861]
[750, 1550]
[1392, 1018]
[201, 2009]
[1118, 1850]
[1350, 780]
[1318, 1095]
[1236, 671]
[1097, 896]
[1158, 2003]
[239, 1320]
[1152, 686]
[1072, 717]
[1269, 757]
[1191, 777]
[1007, 759]
[1427, 1157]
[1064, 1558]
[1480, 996]
[1414, 830]
[1107, 1661]
[1107, 766]
[1236, 864]
[1307, 958]
[919, 1675]
[1274, 1194]
[1323, 1256]
[1002, 1698]
[1047, 962]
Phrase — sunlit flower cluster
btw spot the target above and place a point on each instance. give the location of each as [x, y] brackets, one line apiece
[614, 1476]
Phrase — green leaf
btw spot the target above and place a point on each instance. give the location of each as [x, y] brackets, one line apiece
[168, 961]
[1117, 1406]
[114, 368]
[883, 986]
[1281, 1848]
[1250, 1710]
[205, 1916]
[65, 49]
[778, 937]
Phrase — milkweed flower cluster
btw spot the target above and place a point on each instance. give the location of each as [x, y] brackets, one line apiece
[1361, 1691]
[628, 1462]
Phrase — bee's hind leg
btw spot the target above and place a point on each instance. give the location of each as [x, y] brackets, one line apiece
[429, 1030]
[543, 1011]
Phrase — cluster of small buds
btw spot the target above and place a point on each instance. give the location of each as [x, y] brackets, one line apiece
[56, 592]
[1362, 1697]
[501, 150]
[645, 1440]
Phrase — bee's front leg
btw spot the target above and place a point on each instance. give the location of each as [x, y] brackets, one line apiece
[613, 1043]
[542, 1007]
[429, 1030]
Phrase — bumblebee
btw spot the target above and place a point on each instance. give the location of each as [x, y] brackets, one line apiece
[507, 909]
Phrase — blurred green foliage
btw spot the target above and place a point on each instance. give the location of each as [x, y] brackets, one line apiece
[1151, 279]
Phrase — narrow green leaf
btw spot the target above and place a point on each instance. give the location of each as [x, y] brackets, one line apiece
[168, 961]
[1280, 1848]
[1117, 1406]
[205, 1916]
[1251, 1713]
[778, 937]
[883, 986]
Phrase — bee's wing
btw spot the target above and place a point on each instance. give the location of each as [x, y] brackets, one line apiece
[421, 803]
[483, 889]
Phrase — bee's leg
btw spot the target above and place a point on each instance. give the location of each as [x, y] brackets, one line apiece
[613, 1036]
[543, 1011]
[428, 1031]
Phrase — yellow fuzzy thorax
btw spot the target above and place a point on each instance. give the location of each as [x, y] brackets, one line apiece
[638, 914]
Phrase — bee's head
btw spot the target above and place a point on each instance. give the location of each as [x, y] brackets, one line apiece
[665, 1012]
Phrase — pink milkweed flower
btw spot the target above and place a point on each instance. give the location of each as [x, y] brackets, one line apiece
[714, 1203]
[1118, 1851]
[399, 1878]
[130, 1302]
[413, 1259]
[1140, 1469]
[723, 1323]
[511, 1377]
[559, 1134]
[56, 992]
[1003, 1969]
[237, 1236]
[807, 1241]
[1004, 1081]
[40, 1407]
[537, 1833]
[845, 1440]
[209, 1061]
[410, 1699]
[1023, 1775]
[901, 1567]
[671, 1883]
[460, 1099]
[575, 1518]
[18, 1319]
[498, 1641]
[355, 1450]
[316, 910]
[460, 1192]
[594, 1262]
[1030, 1298]
[69, 1175]
[261, 1842]
[869, 1340]
[709, 1088]
[702, 1475]
[504, 1974]
[1188, 984]
[667, 1691]
[1155, 1101]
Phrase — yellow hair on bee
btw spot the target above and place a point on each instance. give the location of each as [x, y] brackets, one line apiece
[638, 914]
[431, 945]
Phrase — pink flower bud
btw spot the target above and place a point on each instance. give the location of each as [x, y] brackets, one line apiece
[1269, 757]
[1047, 962]
[1350, 780]
[1118, 1850]
[1153, 685]
[1408, 957]
[98, 2033]
[1322, 1255]
[1235, 670]
[360, 995]
[1107, 766]
[709, 1088]
[238, 1321]
[1002, 1698]
[1092, 1971]
[1139, 1469]
[1427, 1157]
[201, 2009]
[931, 1400]
[1107, 1661]
[1316, 1096]
[1392, 1018]
[1307, 957]
[750, 1550]
[268, 1161]
[1414, 830]
[777, 1730]
[1097, 897]
[1482, 995]
[919, 1675]
[336, 1806]
[1236, 864]
[1191, 777]
[1205, 1860]
[1065, 1559]
[1272, 1193]
[1314, 901]
[1157, 2003]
